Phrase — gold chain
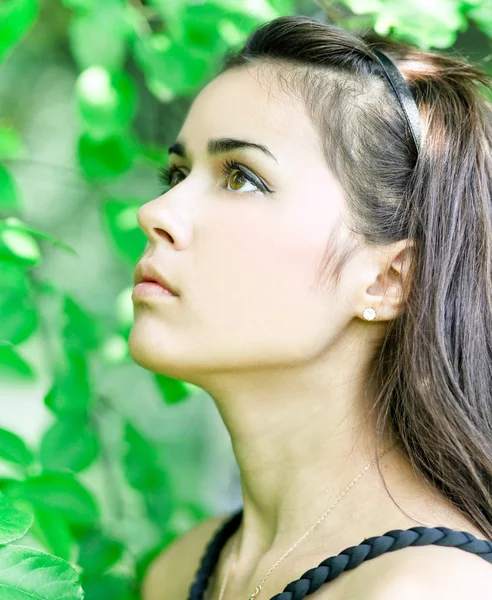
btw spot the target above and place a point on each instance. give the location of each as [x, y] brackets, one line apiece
[260, 585]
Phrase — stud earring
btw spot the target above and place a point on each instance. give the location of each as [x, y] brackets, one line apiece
[369, 314]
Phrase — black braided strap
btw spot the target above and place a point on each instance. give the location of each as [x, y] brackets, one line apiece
[211, 556]
[372, 547]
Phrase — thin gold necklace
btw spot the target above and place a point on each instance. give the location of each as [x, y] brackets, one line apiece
[260, 585]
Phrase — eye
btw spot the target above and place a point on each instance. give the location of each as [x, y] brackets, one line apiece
[166, 176]
[241, 174]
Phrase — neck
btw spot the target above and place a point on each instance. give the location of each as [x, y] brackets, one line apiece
[300, 434]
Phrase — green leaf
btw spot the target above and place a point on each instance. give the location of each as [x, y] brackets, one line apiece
[13, 366]
[105, 24]
[17, 245]
[19, 317]
[173, 391]
[102, 587]
[482, 17]
[144, 473]
[107, 101]
[9, 194]
[160, 505]
[155, 156]
[120, 223]
[70, 395]
[80, 329]
[13, 523]
[124, 311]
[13, 449]
[60, 493]
[11, 146]
[98, 552]
[142, 468]
[28, 574]
[53, 531]
[284, 7]
[68, 445]
[114, 350]
[199, 28]
[18, 225]
[83, 5]
[106, 158]
[171, 70]
[16, 18]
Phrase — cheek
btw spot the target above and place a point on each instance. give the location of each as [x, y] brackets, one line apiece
[248, 294]
[261, 270]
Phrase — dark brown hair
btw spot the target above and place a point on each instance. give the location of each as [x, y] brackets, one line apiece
[434, 366]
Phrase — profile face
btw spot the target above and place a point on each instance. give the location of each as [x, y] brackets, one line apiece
[241, 247]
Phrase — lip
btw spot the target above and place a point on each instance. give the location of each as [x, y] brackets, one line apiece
[145, 272]
[150, 289]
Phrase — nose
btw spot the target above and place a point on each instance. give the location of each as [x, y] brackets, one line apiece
[155, 221]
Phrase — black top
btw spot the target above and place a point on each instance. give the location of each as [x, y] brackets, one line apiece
[351, 557]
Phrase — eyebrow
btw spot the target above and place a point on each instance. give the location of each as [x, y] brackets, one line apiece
[221, 146]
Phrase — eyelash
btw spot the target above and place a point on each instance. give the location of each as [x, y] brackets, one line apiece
[165, 176]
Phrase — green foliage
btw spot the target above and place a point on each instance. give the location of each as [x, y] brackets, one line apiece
[69, 445]
[28, 573]
[16, 18]
[120, 222]
[121, 53]
[13, 523]
[14, 450]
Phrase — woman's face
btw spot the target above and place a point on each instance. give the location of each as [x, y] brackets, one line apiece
[242, 249]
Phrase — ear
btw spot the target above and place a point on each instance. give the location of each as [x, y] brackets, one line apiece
[387, 295]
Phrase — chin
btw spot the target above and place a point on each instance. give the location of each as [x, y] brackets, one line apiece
[140, 350]
[149, 352]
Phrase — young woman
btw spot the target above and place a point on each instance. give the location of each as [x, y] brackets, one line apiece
[326, 232]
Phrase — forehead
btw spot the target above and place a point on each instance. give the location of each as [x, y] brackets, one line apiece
[248, 102]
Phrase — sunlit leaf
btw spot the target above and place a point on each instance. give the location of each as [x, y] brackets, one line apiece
[482, 17]
[16, 18]
[171, 70]
[53, 531]
[173, 390]
[9, 194]
[14, 449]
[114, 349]
[68, 445]
[18, 225]
[11, 145]
[141, 463]
[58, 492]
[19, 316]
[70, 395]
[283, 7]
[107, 101]
[145, 474]
[105, 25]
[120, 222]
[13, 366]
[106, 158]
[13, 523]
[26, 573]
[18, 246]
[83, 5]
[155, 155]
[124, 311]
[80, 329]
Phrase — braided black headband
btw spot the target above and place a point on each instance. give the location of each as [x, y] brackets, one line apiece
[403, 93]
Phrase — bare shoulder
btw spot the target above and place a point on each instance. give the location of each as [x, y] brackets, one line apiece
[171, 573]
[427, 573]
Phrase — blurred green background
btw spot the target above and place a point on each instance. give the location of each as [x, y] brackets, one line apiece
[102, 464]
